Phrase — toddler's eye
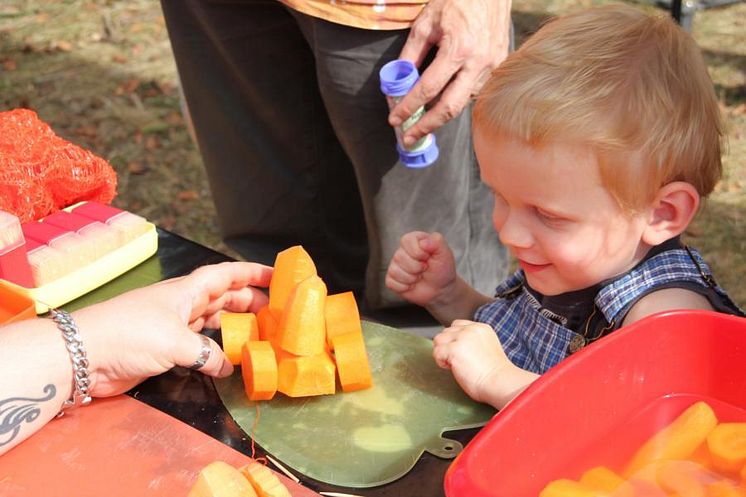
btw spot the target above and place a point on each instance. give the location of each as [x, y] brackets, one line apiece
[548, 217]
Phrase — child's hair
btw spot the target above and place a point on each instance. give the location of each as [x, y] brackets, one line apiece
[631, 85]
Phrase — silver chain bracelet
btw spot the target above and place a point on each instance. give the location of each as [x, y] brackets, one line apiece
[81, 382]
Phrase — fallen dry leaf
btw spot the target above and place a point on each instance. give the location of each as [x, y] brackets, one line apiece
[152, 143]
[127, 87]
[136, 168]
[86, 131]
[60, 46]
[188, 195]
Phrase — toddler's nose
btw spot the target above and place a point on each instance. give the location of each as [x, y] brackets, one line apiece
[515, 233]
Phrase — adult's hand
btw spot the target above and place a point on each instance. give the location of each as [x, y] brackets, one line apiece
[472, 37]
[148, 331]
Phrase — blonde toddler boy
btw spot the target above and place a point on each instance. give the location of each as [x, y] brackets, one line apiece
[598, 138]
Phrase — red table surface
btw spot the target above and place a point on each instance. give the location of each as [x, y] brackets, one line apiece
[115, 447]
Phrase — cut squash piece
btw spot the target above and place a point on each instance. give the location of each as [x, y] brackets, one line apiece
[220, 479]
[264, 481]
[342, 316]
[678, 440]
[237, 328]
[727, 444]
[725, 489]
[268, 322]
[302, 376]
[259, 370]
[602, 478]
[569, 488]
[683, 478]
[302, 329]
[292, 266]
[352, 362]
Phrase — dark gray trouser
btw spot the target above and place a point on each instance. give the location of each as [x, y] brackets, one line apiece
[293, 132]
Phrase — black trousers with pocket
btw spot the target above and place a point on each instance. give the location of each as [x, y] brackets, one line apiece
[292, 128]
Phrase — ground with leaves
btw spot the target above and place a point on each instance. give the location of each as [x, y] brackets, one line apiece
[101, 73]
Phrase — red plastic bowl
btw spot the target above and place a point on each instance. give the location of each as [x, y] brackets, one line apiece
[598, 406]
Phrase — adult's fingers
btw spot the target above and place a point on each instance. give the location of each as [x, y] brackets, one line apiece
[216, 279]
[193, 349]
[454, 98]
[247, 299]
[431, 84]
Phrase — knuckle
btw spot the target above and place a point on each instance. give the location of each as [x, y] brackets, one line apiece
[450, 110]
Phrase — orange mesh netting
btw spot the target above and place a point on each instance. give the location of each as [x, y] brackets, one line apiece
[41, 173]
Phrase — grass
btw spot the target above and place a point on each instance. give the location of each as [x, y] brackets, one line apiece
[101, 73]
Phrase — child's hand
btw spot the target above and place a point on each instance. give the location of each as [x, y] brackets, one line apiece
[423, 269]
[473, 352]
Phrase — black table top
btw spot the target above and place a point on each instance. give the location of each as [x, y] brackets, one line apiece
[191, 397]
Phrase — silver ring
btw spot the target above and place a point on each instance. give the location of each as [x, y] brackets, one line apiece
[204, 353]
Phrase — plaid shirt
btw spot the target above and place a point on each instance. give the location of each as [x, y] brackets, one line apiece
[534, 340]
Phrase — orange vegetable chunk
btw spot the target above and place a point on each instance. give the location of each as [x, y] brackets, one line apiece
[678, 440]
[268, 322]
[302, 376]
[264, 481]
[259, 370]
[568, 488]
[342, 316]
[302, 329]
[684, 478]
[352, 361]
[237, 328]
[292, 266]
[727, 444]
[220, 479]
[725, 489]
[601, 478]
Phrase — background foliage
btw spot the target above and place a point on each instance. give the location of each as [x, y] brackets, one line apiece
[101, 73]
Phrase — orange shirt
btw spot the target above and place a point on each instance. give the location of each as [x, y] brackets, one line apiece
[366, 14]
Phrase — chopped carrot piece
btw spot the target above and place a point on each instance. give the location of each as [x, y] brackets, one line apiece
[264, 481]
[236, 328]
[259, 370]
[352, 361]
[268, 320]
[292, 266]
[302, 329]
[601, 478]
[724, 488]
[727, 444]
[702, 455]
[342, 316]
[678, 440]
[301, 376]
[568, 488]
[683, 478]
[220, 479]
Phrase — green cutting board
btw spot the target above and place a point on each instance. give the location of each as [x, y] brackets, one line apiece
[370, 437]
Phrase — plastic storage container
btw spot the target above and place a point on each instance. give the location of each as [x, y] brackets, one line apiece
[397, 78]
[15, 305]
[599, 405]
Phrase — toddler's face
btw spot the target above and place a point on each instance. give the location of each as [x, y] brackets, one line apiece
[553, 214]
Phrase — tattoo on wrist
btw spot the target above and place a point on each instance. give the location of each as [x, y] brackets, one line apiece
[15, 410]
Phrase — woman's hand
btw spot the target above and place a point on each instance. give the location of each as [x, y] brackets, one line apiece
[148, 331]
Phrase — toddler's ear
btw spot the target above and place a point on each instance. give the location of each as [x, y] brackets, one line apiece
[671, 212]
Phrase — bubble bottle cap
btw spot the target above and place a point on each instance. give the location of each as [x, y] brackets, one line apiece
[397, 78]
